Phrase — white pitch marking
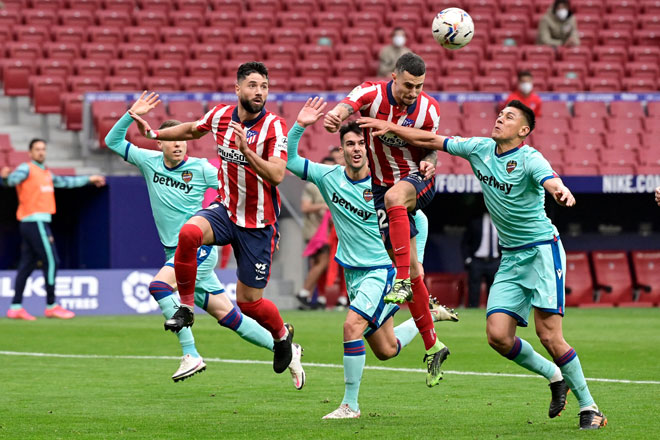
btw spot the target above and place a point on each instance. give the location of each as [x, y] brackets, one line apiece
[308, 364]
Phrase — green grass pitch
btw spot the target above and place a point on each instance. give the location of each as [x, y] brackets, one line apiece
[119, 395]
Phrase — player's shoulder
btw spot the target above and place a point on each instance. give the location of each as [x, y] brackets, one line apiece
[432, 101]
[220, 106]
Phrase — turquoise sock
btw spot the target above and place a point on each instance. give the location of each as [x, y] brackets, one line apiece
[405, 332]
[16, 306]
[524, 355]
[570, 367]
[354, 358]
[247, 328]
[168, 302]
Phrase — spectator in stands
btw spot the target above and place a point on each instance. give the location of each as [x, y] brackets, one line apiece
[35, 185]
[338, 156]
[481, 255]
[558, 27]
[525, 94]
[391, 53]
[657, 195]
[314, 209]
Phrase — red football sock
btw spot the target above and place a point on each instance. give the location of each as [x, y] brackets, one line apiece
[400, 238]
[185, 262]
[266, 314]
[419, 309]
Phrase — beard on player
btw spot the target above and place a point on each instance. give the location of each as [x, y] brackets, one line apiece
[254, 105]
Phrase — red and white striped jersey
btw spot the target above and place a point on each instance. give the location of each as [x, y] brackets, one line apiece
[250, 200]
[390, 158]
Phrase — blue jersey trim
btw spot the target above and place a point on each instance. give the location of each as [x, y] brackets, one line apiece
[348, 266]
[546, 178]
[251, 122]
[444, 145]
[356, 181]
[521, 322]
[304, 176]
[169, 265]
[529, 245]
[128, 145]
[506, 153]
[185, 159]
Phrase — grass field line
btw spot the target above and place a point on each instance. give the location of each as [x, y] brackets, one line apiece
[307, 364]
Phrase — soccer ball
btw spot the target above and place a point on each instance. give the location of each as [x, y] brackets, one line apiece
[453, 28]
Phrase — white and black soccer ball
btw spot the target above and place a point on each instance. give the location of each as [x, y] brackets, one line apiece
[453, 28]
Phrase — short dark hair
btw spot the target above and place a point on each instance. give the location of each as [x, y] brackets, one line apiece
[528, 113]
[524, 73]
[328, 159]
[169, 123]
[334, 149]
[351, 127]
[397, 29]
[411, 63]
[34, 141]
[251, 67]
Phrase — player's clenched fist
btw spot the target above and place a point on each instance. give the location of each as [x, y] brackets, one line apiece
[332, 121]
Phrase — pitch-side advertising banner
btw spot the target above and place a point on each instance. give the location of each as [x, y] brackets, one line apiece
[96, 292]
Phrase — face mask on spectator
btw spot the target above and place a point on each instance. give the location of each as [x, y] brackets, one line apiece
[562, 14]
[526, 88]
[399, 40]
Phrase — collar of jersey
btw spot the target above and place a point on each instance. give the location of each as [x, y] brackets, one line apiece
[248, 124]
[390, 98]
[185, 158]
[511, 151]
[40, 165]
[355, 181]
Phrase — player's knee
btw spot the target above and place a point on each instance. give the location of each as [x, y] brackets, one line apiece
[352, 331]
[549, 339]
[500, 342]
[190, 236]
[393, 197]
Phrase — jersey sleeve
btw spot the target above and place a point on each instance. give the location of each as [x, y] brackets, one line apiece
[136, 156]
[301, 167]
[210, 175]
[69, 181]
[18, 175]
[460, 146]
[361, 96]
[539, 168]
[116, 137]
[277, 142]
[204, 124]
[432, 120]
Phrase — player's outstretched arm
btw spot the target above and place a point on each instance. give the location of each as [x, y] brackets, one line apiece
[308, 115]
[559, 191]
[182, 132]
[271, 170]
[116, 138]
[413, 136]
[334, 118]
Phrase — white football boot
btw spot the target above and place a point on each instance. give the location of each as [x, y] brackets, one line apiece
[189, 366]
[295, 367]
[343, 412]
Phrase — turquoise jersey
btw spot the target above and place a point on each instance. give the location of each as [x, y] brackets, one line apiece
[175, 194]
[352, 208]
[512, 184]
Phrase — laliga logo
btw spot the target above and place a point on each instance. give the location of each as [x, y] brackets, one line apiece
[136, 292]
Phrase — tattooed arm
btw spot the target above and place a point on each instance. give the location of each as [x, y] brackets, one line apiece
[336, 116]
[428, 163]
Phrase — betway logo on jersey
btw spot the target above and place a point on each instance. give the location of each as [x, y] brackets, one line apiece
[232, 155]
[364, 215]
[491, 181]
[168, 181]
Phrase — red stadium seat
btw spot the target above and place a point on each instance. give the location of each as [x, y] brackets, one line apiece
[613, 280]
[565, 68]
[314, 52]
[540, 71]
[142, 34]
[552, 126]
[227, 5]
[178, 35]
[373, 6]
[644, 37]
[616, 170]
[105, 35]
[62, 51]
[9, 17]
[458, 68]
[119, 5]
[128, 68]
[227, 83]
[606, 69]
[352, 52]
[259, 20]
[70, 34]
[113, 18]
[365, 20]
[620, 22]
[53, 67]
[84, 5]
[172, 52]
[308, 84]
[124, 83]
[502, 54]
[292, 36]
[342, 83]
[477, 126]
[15, 158]
[92, 67]
[616, 54]
[588, 125]
[649, 156]
[448, 288]
[571, 169]
[224, 20]
[136, 52]
[621, 142]
[462, 166]
[621, 157]
[579, 284]
[456, 84]
[538, 54]
[46, 92]
[71, 110]
[502, 35]
[313, 69]
[581, 157]
[202, 68]
[16, 74]
[626, 109]
[186, 110]
[483, 110]
[591, 22]
[645, 53]
[165, 68]
[357, 69]
[338, 6]
[76, 17]
[640, 85]
[555, 109]
[555, 157]
[161, 5]
[186, 20]
[162, 83]
[32, 33]
[39, 17]
[196, 6]
[294, 19]
[81, 84]
[336, 20]
[651, 7]
[229, 68]
[650, 22]
[211, 52]
[302, 6]
[280, 70]
[586, 141]
[549, 141]
[249, 36]
[614, 37]
[590, 109]
[565, 84]
[653, 109]
[625, 126]
[576, 54]
[449, 126]
[643, 69]
[244, 52]
[647, 276]
[5, 143]
[473, 54]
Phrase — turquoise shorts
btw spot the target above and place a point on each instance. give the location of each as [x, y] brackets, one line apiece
[366, 290]
[529, 277]
[207, 282]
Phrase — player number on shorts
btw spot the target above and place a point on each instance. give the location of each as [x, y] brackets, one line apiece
[382, 218]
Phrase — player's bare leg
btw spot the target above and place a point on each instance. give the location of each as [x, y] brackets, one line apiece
[195, 232]
[252, 303]
[399, 200]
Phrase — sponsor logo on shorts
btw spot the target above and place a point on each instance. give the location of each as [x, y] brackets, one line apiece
[368, 195]
[510, 166]
[262, 270]
[559, 273]
[187, 176]
[363, 214]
